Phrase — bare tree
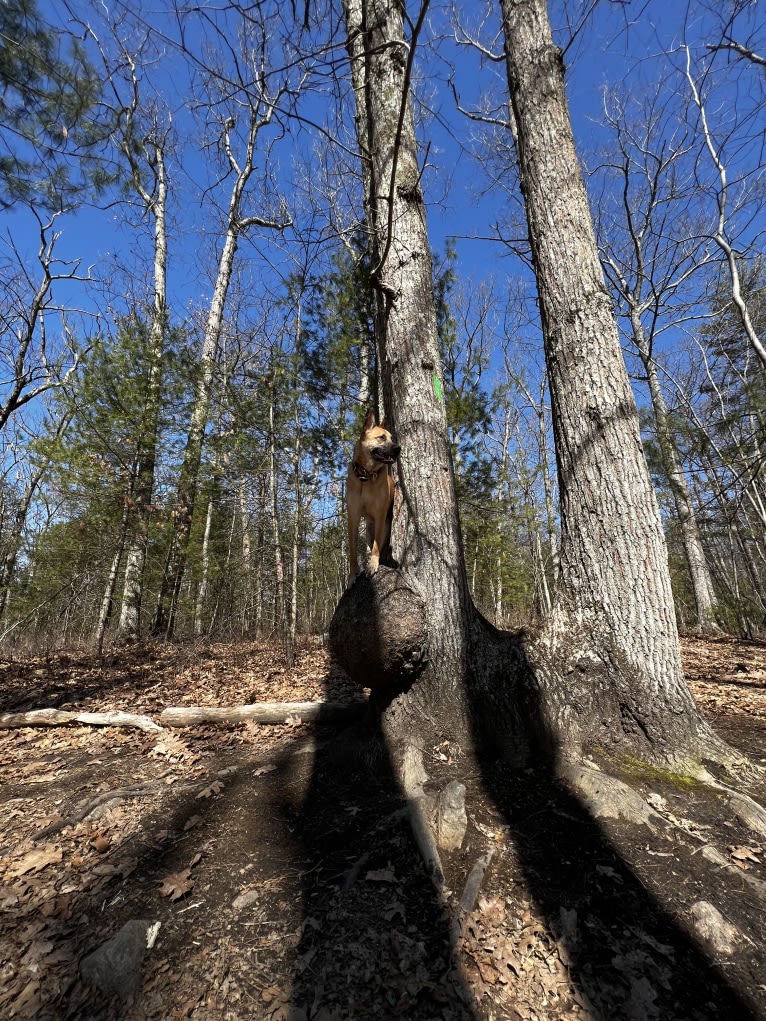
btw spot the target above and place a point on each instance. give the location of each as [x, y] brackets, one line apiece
[426, 534]
[652, 250]
[728, 235]
[236, 122]
[32, 365]
[614, 603]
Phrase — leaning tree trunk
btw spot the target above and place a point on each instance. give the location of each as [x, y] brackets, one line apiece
[107, 600]
[186, 494]
[608, 661]
[426, 537]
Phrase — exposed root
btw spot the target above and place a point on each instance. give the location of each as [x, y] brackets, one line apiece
[470, 893]
[412, 776]
[606, 797]
[712, 854]
[87, 807]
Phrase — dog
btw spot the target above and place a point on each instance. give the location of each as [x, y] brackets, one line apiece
[370, 492]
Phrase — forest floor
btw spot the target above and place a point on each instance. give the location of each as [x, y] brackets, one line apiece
[279, 862]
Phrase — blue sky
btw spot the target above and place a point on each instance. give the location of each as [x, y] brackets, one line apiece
[610, 49]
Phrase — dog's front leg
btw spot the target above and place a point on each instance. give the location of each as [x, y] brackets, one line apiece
[376, 539]
[353, 536]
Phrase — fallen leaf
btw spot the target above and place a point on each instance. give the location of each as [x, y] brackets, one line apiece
[271, 993]
[57, 907]
[742, 854]
[191, 822]
[101, 844]
[176, 885]
[215, 788]
[36, 860]
[105, 868]
[28, 1001]
[262, 770]
[492, 908]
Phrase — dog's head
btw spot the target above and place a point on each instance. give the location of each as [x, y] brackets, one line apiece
[377, 442]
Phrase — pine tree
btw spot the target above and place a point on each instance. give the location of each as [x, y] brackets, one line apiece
[52, 127]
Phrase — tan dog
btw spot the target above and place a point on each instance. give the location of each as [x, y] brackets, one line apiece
[370, 492]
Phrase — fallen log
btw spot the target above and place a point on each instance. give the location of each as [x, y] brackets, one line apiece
[189, 716]
[263, 712]
[62, 717]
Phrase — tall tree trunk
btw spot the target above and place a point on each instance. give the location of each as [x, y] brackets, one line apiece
[609, 658]
[699, 573]
[236, 224]
[247, 557]
[186, 493]
[280, 603]
[199, 607]
[107, 601]
[426, 536]
[129, 627]
[298, 497]
[260, 534]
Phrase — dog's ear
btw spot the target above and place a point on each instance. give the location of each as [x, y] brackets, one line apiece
[369, 422]
[384, 423]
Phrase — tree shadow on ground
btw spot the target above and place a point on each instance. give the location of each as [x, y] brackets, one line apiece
[627, 955]
[375, 939]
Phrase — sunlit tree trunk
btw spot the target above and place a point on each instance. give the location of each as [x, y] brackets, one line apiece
[426, 537]
[696, 559]
[236, 224]
[129, 626]
[280, 603]
[612, 633]
[199, 608]
[247, 556]
[107, 601]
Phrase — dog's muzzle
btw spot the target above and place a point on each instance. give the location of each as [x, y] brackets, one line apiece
[386, 455]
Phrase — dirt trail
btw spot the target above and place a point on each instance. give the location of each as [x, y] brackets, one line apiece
[280, 866]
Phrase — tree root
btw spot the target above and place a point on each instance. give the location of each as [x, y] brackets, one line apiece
[137, 790]
[87, 807]
[412, 776]
[470, 893]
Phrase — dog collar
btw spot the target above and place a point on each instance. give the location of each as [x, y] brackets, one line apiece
[362, 474]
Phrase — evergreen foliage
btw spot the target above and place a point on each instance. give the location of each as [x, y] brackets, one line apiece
[52, 126]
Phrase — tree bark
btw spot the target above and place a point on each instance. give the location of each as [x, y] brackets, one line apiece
[426, 537]
[261, 712]
[608, 660]
[61, 717]
[199, 606]
[107, 601]
[129, 627]
[237, 223]
[696, 559]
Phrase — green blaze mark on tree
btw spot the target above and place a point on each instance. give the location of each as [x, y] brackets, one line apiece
[438, 388]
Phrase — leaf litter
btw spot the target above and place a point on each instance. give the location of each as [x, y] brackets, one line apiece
[292, 889]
